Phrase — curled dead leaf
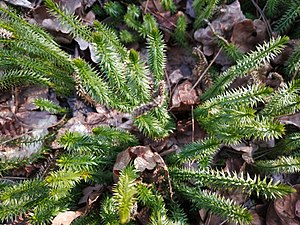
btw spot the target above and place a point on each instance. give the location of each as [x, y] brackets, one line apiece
[143, 158]
[184, 96]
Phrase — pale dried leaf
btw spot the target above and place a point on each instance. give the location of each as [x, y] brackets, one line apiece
[22, 3]
[291, 119]
[184, 95]
[122, 161]
[83, 45]
[145, 160]
[66, 218]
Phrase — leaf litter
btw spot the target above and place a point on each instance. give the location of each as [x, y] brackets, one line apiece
[20, 118]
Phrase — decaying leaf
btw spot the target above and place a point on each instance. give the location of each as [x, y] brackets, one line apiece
[247, 34]
[184, 96]
[91, 194]
[123, 159]
[285, 211]
[223, 25]
[143, 158]
[293, 119]
[22, 3]
[247, 151]
[19, 120]
[61, 32]
[66, 218]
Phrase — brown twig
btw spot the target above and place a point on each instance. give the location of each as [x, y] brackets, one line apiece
[16, 137]
[269, 29]
[193, 123]
[146, 7]
[207, 68]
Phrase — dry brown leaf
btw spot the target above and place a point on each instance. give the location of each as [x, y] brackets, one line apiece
[19, 120]
[247, 151]
[184, 96]
[223, 24]
[144, 158]
[293, 119]
[284, 211]
[61, 32]
[22, 3]
[247, 34]
[123, 159]
[87, 194]
[66, 218]
[180, 58]
[185, 132]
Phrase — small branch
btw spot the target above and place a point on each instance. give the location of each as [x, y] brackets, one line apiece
[269, 29]
[207, 68]
[13, 178]
[16, 137]
[193, 124]
[146, 7]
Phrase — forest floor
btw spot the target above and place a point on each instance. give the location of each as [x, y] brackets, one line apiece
[190, 70]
